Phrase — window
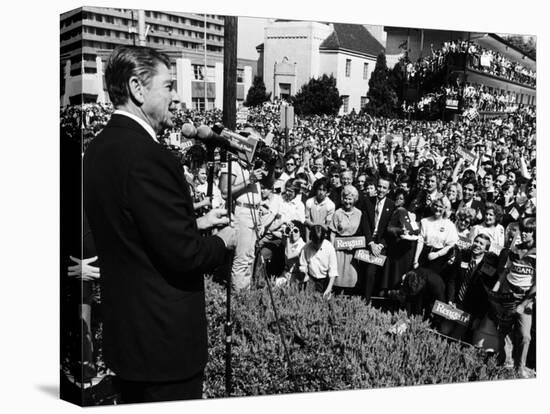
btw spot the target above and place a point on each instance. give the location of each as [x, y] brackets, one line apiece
[240, 75]
[345, 102]
[210, 73]
[198, 71]
[363, 101]
[348, 68]
[284, 90]
[198, 103]
[365, 70]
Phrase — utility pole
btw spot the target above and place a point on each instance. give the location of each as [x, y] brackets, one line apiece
[205, 69]
[230, 72]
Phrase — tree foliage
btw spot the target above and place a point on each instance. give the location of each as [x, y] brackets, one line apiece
[382, 99]
[257, 94]
[527, 45]
[318, 97]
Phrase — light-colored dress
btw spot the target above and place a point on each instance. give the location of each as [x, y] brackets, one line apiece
[344, 224]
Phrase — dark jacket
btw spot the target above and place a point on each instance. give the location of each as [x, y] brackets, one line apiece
[367, 224]
[483, 278]
[152, 255]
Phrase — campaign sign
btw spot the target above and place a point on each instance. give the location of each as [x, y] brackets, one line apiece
[463, 243]
[451, 103]
[367, 257]
[451, 313]
[467, 155]
[186, 144]
[349, 243]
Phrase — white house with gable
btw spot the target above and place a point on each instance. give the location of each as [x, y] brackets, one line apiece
[293, 52]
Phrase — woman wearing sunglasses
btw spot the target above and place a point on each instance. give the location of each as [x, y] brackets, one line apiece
[294, 243]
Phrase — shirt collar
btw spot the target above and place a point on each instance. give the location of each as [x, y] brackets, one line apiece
[140, 121]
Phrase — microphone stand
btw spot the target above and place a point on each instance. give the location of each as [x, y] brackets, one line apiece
[210, 161]
[228, 323]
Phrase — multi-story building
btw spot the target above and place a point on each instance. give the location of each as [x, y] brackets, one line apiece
[194, 43]
[293, 52]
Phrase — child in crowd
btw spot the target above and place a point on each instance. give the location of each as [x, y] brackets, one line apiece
[318, 262]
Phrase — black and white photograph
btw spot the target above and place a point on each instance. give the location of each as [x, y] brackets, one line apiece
[334, 208]
[348, 206]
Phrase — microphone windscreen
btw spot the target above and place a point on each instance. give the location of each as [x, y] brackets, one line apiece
[204, 132]
[188, 130]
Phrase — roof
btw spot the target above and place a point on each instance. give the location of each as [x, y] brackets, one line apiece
[354, 38]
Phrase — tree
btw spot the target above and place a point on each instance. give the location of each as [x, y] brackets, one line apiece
[256, 94]
[318, 97]
[382, 99]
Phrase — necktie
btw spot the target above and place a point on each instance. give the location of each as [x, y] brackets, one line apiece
[377, 210]
[467, 280]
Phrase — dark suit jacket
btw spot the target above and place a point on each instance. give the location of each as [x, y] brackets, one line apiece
[366, 227]
[484, 277]
[478, 206]
[152, 255]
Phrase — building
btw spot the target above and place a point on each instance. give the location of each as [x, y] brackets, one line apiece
[193, 42]
[293, 52]
[419, 42]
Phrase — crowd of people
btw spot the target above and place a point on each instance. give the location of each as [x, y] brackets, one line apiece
[475, 99]
[397, 210]
[406, 211]
[475, 57]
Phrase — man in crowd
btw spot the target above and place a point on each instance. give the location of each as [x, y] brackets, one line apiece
[152, 252]
[374, 223]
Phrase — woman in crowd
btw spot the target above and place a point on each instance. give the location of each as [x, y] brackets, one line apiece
[294, 235]
[453, 191]
[345, 223]
[464, 219]
[438, 236]
[402, 233]
[491, 227]
[400, 197]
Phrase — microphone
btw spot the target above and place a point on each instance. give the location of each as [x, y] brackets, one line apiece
[243, 147]
[188, 130]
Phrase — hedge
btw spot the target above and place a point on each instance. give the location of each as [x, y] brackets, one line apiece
[340, 344]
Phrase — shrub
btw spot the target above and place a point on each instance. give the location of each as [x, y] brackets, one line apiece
[339, 344]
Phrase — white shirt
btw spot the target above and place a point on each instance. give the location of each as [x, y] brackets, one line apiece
[438, 233]
[321, 263]
[320, 213]
[243, 175]
[380, 206]
[140, 121]
[293, 210]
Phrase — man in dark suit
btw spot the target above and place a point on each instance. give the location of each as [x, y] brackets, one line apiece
[474, 272]
[374, 222]
[469, 187]
[147, 237]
